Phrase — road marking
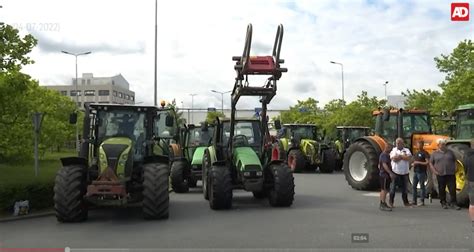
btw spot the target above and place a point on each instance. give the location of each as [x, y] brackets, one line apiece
[372, 194]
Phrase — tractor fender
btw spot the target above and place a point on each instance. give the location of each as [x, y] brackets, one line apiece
[67, 161]
[377, 142]
[177, 151]
[292, 148]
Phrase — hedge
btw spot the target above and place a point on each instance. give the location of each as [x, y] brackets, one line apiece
[39, 194]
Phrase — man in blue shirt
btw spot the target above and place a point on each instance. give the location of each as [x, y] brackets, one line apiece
[420, 166]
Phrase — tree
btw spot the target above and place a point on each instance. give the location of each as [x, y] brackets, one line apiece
[14, 49]
[458, 87]
[211, 116]
[177, 113]
[303, 112]
[424, 99]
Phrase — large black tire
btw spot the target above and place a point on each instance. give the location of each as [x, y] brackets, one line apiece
[296, 160]
[220, 188]
[329, 161]
[155, 191]
[179, 180]
[339, 159]
[282, 192]
[206, 167]
[70, 187]
[361, 166]
[462, 188]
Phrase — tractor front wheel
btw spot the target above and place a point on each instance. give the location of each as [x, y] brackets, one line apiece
[155, 191]
[329, 161]
[283, 189]
[70, 187]
[361, 166]
[220, 188]
[296, 160]
[179, 182]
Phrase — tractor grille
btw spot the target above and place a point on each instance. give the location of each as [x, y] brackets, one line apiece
[113, 151]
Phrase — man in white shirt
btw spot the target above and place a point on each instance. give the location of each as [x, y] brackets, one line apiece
[400, 157]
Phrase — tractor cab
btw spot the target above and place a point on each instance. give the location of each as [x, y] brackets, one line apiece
[347, 134]
[465, 122]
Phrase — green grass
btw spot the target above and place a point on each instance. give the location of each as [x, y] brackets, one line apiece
[23, 172]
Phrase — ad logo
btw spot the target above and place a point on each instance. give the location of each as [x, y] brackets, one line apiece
[459, 11]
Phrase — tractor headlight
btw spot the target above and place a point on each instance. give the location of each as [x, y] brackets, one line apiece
[246, 174]
[259, 174]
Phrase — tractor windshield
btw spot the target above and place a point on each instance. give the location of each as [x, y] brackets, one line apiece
[304, 132]
[415, 123]
[356, 133]
[249, 129]
[197, 137]
[465, 124]
[121, 124]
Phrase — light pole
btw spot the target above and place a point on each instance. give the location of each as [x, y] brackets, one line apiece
[342, 74]
[77, 97]
[385, 85]
[192, 107]
[222, 98]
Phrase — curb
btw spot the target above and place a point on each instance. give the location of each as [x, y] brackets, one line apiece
[35, 215]
[29, 216]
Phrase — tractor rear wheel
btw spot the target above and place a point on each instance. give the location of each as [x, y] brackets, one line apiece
[329, 161]
[220, 188]
[361, 166]
[462, 188]
[179, 182]
[296, 160]
[283, 185]
[155, 191]
[70, 187]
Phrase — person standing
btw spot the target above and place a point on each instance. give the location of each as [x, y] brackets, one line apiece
[420, 167]
[400, 157]
[469, 163]
[443, 165]
[386, 175]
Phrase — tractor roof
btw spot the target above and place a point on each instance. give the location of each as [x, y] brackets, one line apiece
[352, 127]
[241, 119]
[396, 111]
[299, 125]
[466, 106]
[102, 106]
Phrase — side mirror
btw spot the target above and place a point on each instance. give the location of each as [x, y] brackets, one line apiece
[277, 124]
[169, 121]
[73, 118]
[386, 115]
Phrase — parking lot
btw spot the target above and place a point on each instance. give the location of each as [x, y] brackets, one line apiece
[326, 213]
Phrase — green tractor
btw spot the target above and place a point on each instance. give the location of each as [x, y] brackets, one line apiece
[123, 159]
[464, 135]
[242, 155]
[186, 169]
[346, 135]
[305, 148]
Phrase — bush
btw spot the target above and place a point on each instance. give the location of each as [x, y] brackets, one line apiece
[39, 194]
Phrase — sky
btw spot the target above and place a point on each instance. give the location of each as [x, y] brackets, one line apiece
[376, 41]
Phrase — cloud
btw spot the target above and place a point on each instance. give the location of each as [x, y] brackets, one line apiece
[377, 41]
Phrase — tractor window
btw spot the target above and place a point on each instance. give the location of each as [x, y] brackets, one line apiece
[465, 125]
[390, 129]
[304, 132]
[415, 123]
[121, 123]
[250, 129]
[197, 137]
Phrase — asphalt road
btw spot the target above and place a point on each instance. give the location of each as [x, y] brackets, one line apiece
[325, 214]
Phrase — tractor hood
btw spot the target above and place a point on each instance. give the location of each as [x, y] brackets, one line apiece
[245, 159]
[197, 156]
[114, 153]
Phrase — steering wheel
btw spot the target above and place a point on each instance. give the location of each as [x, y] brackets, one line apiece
[240, 140]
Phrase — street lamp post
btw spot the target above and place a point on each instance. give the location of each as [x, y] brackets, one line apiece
[342, 74]
[192, 107]
[156, 58]
[76, 89]
[222, 97]
[385, 85]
